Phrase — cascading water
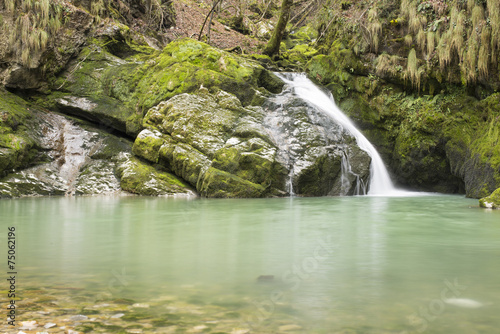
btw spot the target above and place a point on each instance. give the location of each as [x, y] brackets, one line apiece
[380, 181]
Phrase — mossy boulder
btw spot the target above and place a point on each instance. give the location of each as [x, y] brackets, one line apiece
[185, 64]
[105, 86]
[227, 150]
[492, 201]
[142, 178]
[193, 135]
[220, 184]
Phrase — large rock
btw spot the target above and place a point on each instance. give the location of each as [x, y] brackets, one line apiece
[143, 179]
[74, 158]
[109, 86]
[492, 201]
[227, 150]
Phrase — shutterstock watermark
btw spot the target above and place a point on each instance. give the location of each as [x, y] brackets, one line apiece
[293, 278]
[425, 315]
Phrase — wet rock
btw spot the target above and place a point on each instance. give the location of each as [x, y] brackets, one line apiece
[76, 160]
[49, 325]
[197, 329]
[226, 150]
[104, 111]
[78, 317]
[141, 178]
[97, 178]
[28, 325]
[140, 305]
[290, 328]
[492, 201]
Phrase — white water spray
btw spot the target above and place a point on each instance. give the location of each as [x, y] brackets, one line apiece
[380, 181]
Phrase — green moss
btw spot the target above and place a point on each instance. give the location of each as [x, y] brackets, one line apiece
[140, 178]
[304, 34]
[85, 328]
[220, 184]
[147, 145]
[184, 161]
[326, 168]
[252, 160]
[14, 111]
[492, 201]
[17, 147]
[186, 64]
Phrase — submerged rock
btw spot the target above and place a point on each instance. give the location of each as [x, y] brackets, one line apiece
[463, 302]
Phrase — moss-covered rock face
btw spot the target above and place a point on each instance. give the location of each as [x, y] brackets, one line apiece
[492, 201]
[445, 142]
[194, 137]
[141, 178]
[69, 160]
[17, 144]
[186, 64]
[115, 80]
[50, 155]
[227, 150]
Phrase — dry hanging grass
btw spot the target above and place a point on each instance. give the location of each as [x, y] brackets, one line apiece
[386, 64]
[477, 16]
[35, 21]
[444, 49]
[457, 35]
[374, 28]
[431, 42]
[413, 72]
[484, 52]
[494, 16]
[421, 39]
[408, 40]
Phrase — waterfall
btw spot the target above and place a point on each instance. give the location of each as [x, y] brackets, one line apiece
[380, 181]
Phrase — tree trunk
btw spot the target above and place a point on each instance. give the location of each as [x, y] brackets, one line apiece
[273, 46]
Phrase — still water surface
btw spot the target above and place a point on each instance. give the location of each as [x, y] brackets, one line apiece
[340, 265]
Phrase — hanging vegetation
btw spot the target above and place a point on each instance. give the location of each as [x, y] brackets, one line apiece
[34, 21]
[461, 37]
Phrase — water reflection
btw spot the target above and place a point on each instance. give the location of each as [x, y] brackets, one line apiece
[337, 262]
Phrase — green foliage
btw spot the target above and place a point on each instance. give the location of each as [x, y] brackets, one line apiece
[492, 201]
[445, 33]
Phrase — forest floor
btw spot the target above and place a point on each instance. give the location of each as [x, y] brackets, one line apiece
[191, 15]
